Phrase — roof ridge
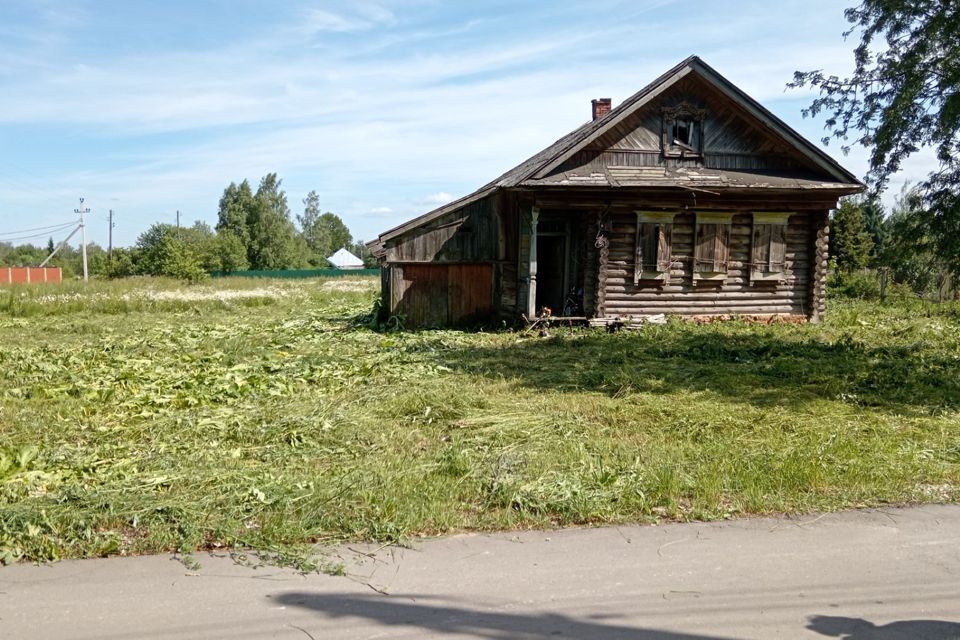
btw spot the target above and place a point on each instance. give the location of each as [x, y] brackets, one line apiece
[562, 148]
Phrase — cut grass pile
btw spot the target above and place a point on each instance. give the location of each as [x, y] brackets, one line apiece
[134, 418]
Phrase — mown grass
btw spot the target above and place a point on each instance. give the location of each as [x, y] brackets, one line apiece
[272, 419]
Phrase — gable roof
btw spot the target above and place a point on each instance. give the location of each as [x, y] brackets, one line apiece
[343, 259]
[539, 166]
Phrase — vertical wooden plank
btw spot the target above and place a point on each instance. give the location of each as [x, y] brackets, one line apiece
[722, 247]
[664, 247]
[776, 258]
[469, 292]
[602, 243]
[590, 263]
[705, 247]
[523, 263]
[760, 249]
[639, 254]
[532, 290]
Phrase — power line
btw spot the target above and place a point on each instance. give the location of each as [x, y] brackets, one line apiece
[36, 235]
[53, 227]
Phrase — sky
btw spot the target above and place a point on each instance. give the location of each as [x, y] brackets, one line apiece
[387, 108]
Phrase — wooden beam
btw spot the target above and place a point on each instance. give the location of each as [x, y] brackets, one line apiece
[532, 289]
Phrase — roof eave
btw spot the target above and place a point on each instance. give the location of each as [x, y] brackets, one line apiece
[436, 213]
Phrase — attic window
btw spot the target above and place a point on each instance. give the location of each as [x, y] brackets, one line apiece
[682, 131]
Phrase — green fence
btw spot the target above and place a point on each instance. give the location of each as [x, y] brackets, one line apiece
[297, 273]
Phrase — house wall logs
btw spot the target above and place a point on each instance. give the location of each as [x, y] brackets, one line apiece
[736, 294]
[820, 233]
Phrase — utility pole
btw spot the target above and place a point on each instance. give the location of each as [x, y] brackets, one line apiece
[83, 210]
[110, 241]
[178, 223]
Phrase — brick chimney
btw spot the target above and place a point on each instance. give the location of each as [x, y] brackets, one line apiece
[601, 107]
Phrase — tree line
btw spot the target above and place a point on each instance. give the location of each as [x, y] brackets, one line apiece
[871, 249]
[254, 230]
[902, 96]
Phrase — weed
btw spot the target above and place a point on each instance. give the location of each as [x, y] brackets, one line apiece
[138, 416]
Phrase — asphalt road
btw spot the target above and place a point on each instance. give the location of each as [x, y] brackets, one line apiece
[889, 574]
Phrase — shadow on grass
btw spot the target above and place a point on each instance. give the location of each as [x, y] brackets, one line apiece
[763, 366]
[412, 611]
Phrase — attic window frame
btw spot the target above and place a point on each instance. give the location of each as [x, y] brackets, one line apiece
[693, 117]
[659, 223]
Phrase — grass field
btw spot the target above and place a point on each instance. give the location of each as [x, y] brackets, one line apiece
[138, 417]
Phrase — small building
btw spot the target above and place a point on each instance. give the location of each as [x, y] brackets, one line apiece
[689, 198]
[343, 259]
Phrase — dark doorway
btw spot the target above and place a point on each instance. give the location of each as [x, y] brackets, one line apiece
[551, 271]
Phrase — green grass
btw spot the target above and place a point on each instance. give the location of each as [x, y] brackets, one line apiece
[134, 420]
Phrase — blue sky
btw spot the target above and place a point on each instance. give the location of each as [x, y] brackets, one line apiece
[385, 108]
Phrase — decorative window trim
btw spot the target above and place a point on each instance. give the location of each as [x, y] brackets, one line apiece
[721, 223]
[659, 223]
[768, 246]
[684, 112]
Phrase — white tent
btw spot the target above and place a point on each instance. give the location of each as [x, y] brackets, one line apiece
[343, 259]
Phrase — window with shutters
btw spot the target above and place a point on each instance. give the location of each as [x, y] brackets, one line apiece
[654, 240]
[711, 252]
[768, 249]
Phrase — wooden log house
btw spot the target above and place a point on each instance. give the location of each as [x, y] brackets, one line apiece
[689, 198]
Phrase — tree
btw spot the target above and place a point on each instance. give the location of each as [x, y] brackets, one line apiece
[272, 242]
[910, 251]
[313, 234]
[850, 244]
[874, 221]
[362, 251]
[122, 265]
[230, 253]
[324, 233]
[904, 95]
[163, 252]
[337, 233]
[236, 208]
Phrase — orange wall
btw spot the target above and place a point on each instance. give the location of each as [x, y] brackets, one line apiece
[31, 275]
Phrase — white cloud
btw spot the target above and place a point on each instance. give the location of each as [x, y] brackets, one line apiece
[367, 114]
[361, 17]
[439, 198]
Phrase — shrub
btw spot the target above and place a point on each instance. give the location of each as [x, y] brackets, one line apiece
[858, 285]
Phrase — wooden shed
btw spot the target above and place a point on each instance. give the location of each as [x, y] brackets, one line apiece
[689, 198]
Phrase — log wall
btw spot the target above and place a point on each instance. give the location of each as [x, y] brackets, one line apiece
[736, 295]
